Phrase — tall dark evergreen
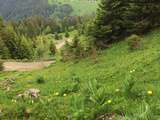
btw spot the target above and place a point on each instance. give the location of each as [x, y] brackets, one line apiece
[119, 18]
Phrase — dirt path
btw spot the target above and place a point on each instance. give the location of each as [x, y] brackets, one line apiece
[61, 43]
[30, 66]
[25, 66]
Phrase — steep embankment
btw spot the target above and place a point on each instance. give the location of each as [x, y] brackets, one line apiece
[123, 84]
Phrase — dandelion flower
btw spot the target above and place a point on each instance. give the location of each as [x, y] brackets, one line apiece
[131, 71]
[14, 100]
[32, 101]
[28, 110]
[64, 95]
[56, 94]
[109, 101]
[117, 90]
[150, 92]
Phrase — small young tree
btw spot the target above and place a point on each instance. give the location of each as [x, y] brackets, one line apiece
[1, 66]
[66, 34]
[25, 48]
[52, 48]
[56, 36]
[4, 52]
[9, 38]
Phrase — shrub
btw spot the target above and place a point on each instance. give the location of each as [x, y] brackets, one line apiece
[1, 66]
[40, 80]
[56, 36]
[52, 48]
[134, 42]
[67, 34]
[79, 48]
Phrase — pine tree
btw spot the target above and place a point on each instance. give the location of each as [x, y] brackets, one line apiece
[9, 38]
[25, 48]
[52, 48]
[66, 34]
[4, 52]
[119, 18]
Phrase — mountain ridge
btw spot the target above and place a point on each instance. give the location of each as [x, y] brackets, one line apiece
[19, 9]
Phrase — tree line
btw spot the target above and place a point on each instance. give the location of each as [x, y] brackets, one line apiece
[21, 9]
[117, 19]
[33, 37]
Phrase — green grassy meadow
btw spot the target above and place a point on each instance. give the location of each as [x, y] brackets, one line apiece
[80, 7]
[122, 82]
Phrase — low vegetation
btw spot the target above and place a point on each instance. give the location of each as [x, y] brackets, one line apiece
[1, 65]
[135, 42]
[126, 86]
[87, 81]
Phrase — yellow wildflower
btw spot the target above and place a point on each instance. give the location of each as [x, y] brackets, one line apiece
[150, 92]
[14, 100]
[56, 94]
[64, 95]
[109, 101]
[117, 90]
[132, 71]
[32, 101]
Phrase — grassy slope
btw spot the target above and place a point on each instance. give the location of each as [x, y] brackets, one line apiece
[80, 7]
[90, 100]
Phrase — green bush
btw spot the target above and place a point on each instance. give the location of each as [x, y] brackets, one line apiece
[134, 42]
[79, 48]
[1, 66]
[40, 80]
[52, 48]
[57, 36]
[67, 34]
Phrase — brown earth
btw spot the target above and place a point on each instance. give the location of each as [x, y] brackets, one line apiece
[25, 66]
[30, 66]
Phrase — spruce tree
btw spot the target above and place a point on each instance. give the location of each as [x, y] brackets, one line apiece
[52, 48]
[119, 18]
[25, 48]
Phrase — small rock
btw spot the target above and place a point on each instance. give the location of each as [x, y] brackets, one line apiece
[33, 92]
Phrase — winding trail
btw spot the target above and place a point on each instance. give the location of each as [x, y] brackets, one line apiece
[30, 66]
[26, 66]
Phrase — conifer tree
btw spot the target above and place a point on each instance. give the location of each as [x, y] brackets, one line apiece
[52, 48]
[25, 48]
[119, 18]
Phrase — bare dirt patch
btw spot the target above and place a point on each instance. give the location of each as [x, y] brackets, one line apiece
[25, 66]
[30, 66]
[60, 43]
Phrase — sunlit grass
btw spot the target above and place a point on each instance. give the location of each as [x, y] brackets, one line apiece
[123, 82]
[78, 6]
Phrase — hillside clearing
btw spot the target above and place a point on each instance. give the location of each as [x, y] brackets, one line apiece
[88, 90]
